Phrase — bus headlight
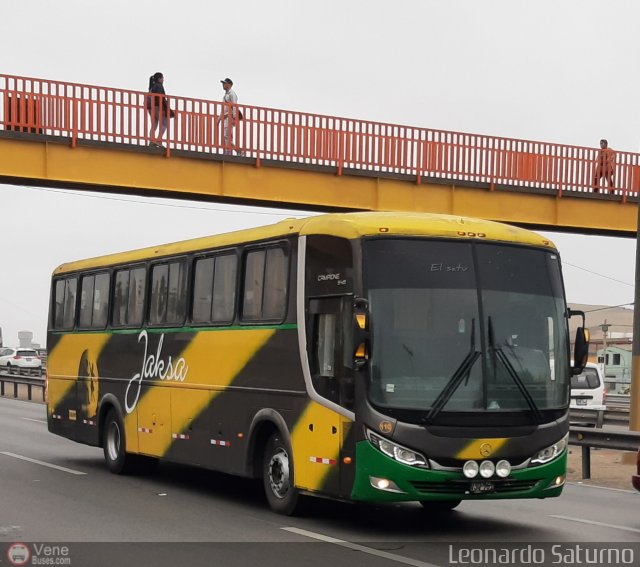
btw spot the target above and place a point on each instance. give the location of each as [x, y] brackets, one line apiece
[397, 452]
[487, 468]
[470, 469]
[551, 452]
[503, 469]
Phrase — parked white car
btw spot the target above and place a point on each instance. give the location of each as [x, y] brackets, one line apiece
[20, 360]
[587, 389]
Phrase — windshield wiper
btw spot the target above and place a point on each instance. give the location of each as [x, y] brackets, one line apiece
[456, 379]
[511, 371]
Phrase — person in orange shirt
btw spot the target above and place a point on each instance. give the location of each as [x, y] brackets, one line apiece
[605, 167]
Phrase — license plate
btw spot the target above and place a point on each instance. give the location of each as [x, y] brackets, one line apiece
[581, 401]
[480, 487]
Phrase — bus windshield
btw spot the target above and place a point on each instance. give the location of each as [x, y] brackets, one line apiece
[466, 327]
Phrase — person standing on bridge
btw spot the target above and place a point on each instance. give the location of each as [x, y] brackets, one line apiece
[158, 108]
[231, 116]
[605, 166]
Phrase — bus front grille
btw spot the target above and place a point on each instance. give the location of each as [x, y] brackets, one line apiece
[464, 486]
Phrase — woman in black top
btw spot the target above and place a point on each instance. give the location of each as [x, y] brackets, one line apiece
[157, 106]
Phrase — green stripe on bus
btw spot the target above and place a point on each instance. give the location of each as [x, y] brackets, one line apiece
[152, 330]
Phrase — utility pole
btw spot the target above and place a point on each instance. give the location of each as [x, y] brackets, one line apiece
[634, 406]
[605, 330]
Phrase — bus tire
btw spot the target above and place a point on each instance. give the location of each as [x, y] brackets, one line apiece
[277, 476]
[439, 506]
[114, 445]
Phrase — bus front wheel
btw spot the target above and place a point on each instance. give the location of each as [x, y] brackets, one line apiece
[277, 475]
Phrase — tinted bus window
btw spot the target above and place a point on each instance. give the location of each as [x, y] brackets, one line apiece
[65, 303]
[159, 285]
[120, 295]
[86, 301]
[265, 284]
[128, 297]
[276, 277]
[202, 290]
[94, 303]
[224, 289]
[135, 309]
[168, 293]
[100, 301]
[214, 294]
[253, 285]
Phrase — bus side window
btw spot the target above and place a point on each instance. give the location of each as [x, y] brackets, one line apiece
[128, 297]
[86, 301]
[266, 273]
[168, 293]
[58, 310]
[326, 344]
[65, 303]
[330, 349]
[214, 289]
[94, 301]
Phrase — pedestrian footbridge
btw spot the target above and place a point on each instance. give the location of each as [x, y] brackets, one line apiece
[61, 134]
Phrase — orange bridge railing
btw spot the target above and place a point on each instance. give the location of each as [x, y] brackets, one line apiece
[85, 112]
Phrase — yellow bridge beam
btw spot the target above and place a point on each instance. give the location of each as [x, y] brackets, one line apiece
[134, 170]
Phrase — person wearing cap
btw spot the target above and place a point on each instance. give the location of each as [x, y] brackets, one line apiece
[230, 99]
[605, 166]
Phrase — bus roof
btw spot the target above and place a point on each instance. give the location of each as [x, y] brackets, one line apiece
[346, 225]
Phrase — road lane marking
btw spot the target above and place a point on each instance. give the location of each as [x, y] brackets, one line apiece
[362, 548]
[42, 463]
[31, 403]
[594, 523]
[582, 485]
[36, 420]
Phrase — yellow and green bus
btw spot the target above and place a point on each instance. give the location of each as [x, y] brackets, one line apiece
[358, 356]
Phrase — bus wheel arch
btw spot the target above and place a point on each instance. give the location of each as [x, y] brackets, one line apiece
[264, 424]
[109, 402]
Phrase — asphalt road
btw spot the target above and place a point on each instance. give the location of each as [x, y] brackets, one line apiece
[80, 501]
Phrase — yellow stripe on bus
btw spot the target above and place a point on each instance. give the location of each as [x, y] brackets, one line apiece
[214, 359]
[63, 363]
[481, 448]
[317, 434]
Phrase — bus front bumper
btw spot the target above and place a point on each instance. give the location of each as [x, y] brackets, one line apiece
[401, 483]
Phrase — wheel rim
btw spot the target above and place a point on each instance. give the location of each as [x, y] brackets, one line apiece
[113, 441]
[279, 477]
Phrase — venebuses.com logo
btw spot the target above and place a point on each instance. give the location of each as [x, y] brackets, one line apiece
[18, 554]
[38, 554]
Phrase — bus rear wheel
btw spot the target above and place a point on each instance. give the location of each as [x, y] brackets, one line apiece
[114, 445]
[277, 476]
[439, 506]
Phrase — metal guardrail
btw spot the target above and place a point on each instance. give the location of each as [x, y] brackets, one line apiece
[29, 381]
[618, 400]
[585, 417]
[587, 437]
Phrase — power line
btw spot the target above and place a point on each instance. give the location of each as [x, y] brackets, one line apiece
[74, 193]
[610, 307]
[596, 273]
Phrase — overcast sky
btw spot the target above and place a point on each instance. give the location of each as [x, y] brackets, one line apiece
[552, 70]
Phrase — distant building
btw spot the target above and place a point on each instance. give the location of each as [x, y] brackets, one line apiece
[25, 339]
